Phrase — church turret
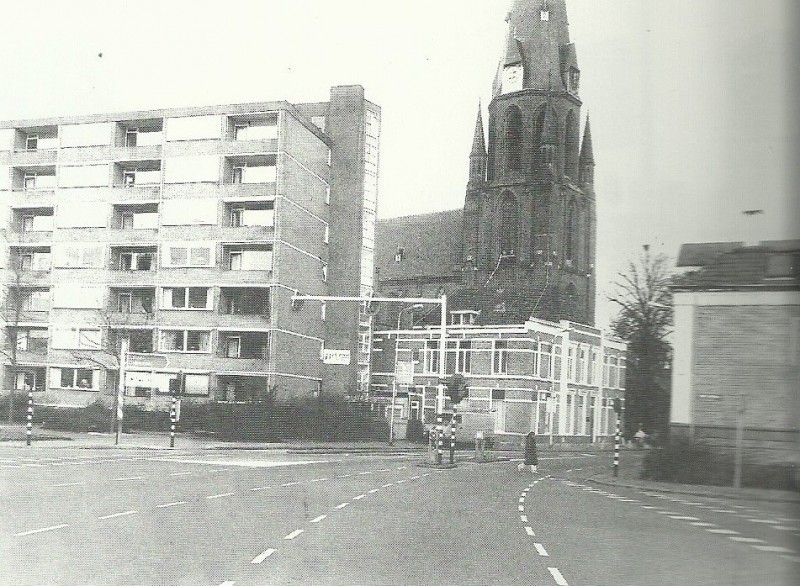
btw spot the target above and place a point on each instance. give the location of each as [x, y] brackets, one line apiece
[587, 157]
[478, 157]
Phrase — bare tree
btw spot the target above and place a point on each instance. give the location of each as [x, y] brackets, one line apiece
[12, 312]
[645, 323]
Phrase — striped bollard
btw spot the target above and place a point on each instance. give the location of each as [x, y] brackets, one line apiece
[616, 450]
[29, 431]
[453, 437]
[172, 423]
[439, 438]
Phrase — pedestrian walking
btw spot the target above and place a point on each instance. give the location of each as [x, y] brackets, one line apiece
[531, 456]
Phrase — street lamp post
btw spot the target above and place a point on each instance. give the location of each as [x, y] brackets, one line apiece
[394, 378]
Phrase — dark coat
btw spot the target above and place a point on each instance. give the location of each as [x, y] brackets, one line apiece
[531, 457]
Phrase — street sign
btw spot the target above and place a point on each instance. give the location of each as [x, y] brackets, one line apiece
[145, 360]
[404, 373]
[139, 379]
[341, 357]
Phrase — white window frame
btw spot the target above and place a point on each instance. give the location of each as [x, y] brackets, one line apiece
[185, 343]
[500, 356]
[35, 139]
[186, 298]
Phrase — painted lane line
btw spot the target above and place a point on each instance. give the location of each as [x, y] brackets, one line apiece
[414, 477]
[318, 519]
[384, 470]
[541, 550]
[127, 478]
[666, 513]
[529, 531]
[402, 481]
[723, 531]
[523, 518]
[703, 524]
[374, 490]
[683, 518]
[290, 484]
[346, 476]
[427, 474]
[256, 489]
[364, 473]
[773, 549]
[628, 501]
[42, 530]
[317, 480]
[402, 467]
[724, 511]
[783, 527]
[522, 499]
[359, 497]
[180, 474]
[262, 556]
[67, 484]
[293, 534]
[560, 580]
[219, 496]
[228, 583]
[767, 521]
[386, 485]
[167, 505]
[341, 506]
[747, 539]
[521, 508]
[648, 507]
[114, 515]
[791, 558]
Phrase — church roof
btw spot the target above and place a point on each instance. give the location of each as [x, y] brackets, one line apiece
[478, 141]
[428, 246]
[587, 152]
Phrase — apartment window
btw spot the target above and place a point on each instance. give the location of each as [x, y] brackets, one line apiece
[499, 357]
[29, 181]
[237, 217]
[238, 175]
[233, 347]
[240, 131]
[463, 356]
[125, 303]
[27, 223]
[185, 341]
[323, 310]
[199, 255]
[431, 356]
[592, 366]
[32, 142]
[74, 378]
[76, 338]
[25, 261]
[245, 301]
[128, 178]
[126, 221]
[571, 364]
[400, 254]
[545, 360]
[186, 298]
[32, 340]
[136, 261]
[131, 137]
[250, 260]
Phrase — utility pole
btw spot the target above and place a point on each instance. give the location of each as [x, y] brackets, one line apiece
[123, 358]
[741, 409]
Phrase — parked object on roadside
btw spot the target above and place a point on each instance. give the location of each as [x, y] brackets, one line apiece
[531, 455]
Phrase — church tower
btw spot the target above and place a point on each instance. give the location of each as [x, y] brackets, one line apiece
[529, 216]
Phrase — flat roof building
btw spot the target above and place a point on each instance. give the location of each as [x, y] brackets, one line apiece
[185, 232]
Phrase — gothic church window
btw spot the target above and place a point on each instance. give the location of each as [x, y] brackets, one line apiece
[571, 146]
[509, 225]
[513, 139]
[538, 131]
[571, 233]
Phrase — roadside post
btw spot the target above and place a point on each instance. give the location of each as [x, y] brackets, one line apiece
[479, 452]
[618, 410]
[453, 436]
[439, 437]
[29, 431]
[172, 416]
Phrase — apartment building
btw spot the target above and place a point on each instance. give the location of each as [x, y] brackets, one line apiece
[558, 379]
[185, 232]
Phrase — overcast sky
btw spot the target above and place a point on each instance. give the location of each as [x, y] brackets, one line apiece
[689, 99]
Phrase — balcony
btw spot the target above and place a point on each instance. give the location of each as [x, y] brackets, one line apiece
[30, 317]
[34, 157]
[136, 153]
[134, 193]
[247, 190]
[30, 237]
[234, 365]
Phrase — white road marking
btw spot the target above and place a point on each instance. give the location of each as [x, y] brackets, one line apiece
[293, 534]
[589, 456]
[386, 485]
[242, 463]
[666, 512]
[402, 467]
[784, 528]
[219, 496]
[523, 518]
[53, 528]
[648, 507]
[256, 489]
[773, 548]
[541, 550]
[127, 478]
[628, 500]
[290, 484]
[791, 558]
[529, 531]
[318, 519]
[723, 531]
[363, 473]
[359, 497]
[703, 524]
[427, 474]
[180, 474]
[558, 577]
[521, 508]
[262, 556]
[346, 475]
[374, 490]
[167, 505]
[341, 506]
[414, 477]
[67, 484]
[683, 518]
[402, 481]
[723, 511]
[318, 480]
[747, 539]
[522, 499]
[767, 521]
[113, 515]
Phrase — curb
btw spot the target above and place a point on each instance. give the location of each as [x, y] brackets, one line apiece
[775, 498]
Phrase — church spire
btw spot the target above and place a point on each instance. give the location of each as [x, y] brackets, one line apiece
[477, 157]
[587, 156]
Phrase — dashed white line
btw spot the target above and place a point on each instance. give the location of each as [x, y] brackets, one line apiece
[560, 580]
[318, 519]
[359, 497]
[363, 473]
[341, 506]
[521, 508]
[541, 550]
[290, 484]
[167, 505]
[67, 484]
[703, 524]
[114, 515]
[723, 531]
[402, 481]
[262, 556]
[747, 539]
[683, 518]
[523, 518]
[791, 558]
[773, 548]
[373, 491]
[127, 478]
[180, 474]
[414, 477]
[293, 534]
[767, 521]
[228, 583]
[387, 485]
[256, 489]
[723, 511]
[318, 480]
[219, 496]
[42, 530]
[529, 531]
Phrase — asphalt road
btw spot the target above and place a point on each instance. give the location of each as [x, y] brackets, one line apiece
[235, 518]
